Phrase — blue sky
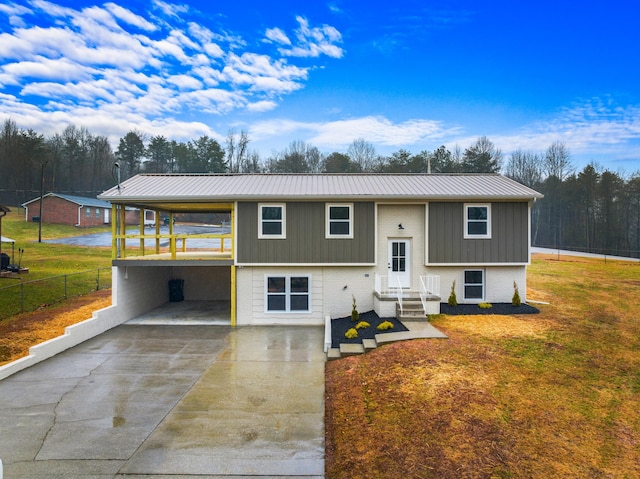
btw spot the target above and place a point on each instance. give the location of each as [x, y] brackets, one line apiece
[401, 74]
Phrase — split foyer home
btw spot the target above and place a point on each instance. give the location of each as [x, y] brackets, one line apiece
[296, 248]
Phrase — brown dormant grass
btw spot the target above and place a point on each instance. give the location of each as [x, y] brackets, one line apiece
[553, 395]
[20, 332]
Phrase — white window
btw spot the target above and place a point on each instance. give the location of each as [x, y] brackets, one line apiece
[271, 221]
[477, 221]
[97, 212]
[339, 221]
[288, 294]
[87, 212]
[474, 284]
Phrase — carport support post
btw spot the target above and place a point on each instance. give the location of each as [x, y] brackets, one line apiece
[115, 254]
[123, 231]
[233, 296]
[143, 212]
[172, 238]
[157, 232]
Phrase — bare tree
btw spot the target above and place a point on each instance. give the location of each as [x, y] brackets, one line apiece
[525, 167]
[557, 161]
[362, 153]
[236, 149]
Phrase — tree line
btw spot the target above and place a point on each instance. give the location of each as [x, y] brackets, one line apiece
[593, 210]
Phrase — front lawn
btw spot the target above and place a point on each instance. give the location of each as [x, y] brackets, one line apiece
[551, 395]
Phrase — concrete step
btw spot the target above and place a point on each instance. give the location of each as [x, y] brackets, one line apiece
[411, 310]
[333, 353]
[369, 344]
[348, 349]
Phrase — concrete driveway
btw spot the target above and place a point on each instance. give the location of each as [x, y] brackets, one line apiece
[178, 401]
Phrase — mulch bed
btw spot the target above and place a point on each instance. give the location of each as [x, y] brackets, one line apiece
[340, 326]
[496, 308]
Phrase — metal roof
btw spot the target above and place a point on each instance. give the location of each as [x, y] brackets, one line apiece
[195, 188]
[79, 200]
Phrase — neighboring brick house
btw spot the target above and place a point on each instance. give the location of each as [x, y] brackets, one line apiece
[299, 248]
[78, 211]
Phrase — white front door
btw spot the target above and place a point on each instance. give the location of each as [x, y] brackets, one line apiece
[399, 263]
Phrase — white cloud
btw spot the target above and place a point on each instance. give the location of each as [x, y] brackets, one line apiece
[91, 45]
[169, 9]
[313, 42]
[278, 36]
[185, 82]
[261, 106]
[339, 134]
[129, 17]
[380, 130]
[15, 14]
[593, 128]
[111, 70]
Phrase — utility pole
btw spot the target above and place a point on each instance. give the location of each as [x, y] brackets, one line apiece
[41, 200]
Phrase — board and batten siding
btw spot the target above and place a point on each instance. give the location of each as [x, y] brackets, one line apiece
[305, 241]
[509, 241]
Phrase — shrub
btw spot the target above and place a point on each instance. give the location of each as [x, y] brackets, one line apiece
[362, 325]
[453, 301]
[383, 326]
[351, 333]
[515, 300]
[354, 310]
[485, 305]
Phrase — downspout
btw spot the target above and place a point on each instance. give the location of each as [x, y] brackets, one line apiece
[79, 216]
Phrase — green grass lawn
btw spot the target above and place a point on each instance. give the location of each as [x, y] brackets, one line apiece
[73, 269]
[49, 259]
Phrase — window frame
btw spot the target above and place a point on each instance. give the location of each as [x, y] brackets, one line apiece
[329, 221]
[87, 212]
[287, 293]
[482, 284]
[468, 221]
[282, 221]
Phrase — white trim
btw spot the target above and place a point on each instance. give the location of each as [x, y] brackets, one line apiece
[474, 265]
[426, 233]
[466, 220]
[403, 277]
[376, 233]
[529, 232]
[305, 265]
[327, 220]
[283, 221]
[483, 284]
[287, 294]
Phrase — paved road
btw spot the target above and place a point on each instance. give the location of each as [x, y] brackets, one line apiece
[178, 401]
[563, 252]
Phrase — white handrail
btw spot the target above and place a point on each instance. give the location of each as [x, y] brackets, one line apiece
[429, 286]
[423, 294]
[399, 293]
[327, 335]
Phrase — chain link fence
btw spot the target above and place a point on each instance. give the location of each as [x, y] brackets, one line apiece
[27, 296]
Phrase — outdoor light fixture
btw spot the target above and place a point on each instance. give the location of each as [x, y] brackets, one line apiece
[400, 227]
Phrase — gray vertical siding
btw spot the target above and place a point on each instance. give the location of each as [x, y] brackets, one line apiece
[509, 241]
[305, 236]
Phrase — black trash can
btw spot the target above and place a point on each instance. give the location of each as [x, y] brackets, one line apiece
[176, 290]
[4, 261]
